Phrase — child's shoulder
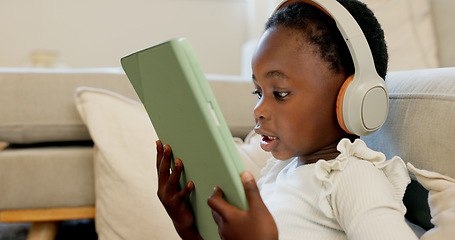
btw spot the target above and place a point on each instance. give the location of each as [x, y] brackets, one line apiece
[356, 161]
[360, 170]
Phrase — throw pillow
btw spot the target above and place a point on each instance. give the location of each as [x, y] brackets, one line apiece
[441, 200]
[127, 206]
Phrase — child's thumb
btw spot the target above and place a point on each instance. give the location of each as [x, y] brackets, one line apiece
[251, 189]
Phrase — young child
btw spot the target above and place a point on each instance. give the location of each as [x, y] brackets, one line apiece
[323, 183]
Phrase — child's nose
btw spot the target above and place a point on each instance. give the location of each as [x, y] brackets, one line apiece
[261, 110]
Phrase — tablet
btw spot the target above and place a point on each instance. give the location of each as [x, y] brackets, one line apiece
[180, 103]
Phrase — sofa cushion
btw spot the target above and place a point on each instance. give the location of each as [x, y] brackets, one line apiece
[46, 177]
[37, 105]
[441, 199]
[420, 126]
[125, 177]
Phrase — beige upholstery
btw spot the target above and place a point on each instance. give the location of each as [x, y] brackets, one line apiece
[420, 127]
[46, 177]
[37, 105]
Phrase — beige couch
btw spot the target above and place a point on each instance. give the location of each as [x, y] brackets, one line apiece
[49, 163]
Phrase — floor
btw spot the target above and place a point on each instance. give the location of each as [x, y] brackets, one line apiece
[14, 231]
[68, 230]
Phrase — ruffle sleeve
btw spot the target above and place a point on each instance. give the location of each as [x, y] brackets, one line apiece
[395, 170]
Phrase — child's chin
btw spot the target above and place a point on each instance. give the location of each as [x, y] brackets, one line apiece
[282, 157]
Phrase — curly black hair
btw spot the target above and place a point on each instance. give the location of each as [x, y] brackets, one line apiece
[320, 30]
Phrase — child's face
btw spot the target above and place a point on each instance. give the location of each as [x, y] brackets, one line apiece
[296, 109]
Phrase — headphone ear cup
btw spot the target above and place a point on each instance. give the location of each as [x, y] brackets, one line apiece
[339, 104]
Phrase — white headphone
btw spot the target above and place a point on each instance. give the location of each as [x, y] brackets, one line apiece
[363, 100]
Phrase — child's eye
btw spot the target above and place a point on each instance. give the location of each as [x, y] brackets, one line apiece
[258, 93]
[280, 95]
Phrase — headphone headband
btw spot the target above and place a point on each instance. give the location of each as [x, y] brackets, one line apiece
[288, 2]
[349, 29]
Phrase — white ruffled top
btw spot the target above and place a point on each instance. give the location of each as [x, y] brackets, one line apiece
[358, 195]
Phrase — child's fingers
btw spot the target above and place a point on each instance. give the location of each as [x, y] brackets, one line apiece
[214, 202]
[165, 164]
[218, 219]
[217, 203]
[159, 153]
[174, 178]
[251, 190]
[185, 193]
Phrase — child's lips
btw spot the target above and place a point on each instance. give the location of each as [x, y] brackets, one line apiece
[268, 143]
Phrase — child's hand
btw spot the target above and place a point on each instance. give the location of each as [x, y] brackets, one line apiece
[256, 223]
[174, 199]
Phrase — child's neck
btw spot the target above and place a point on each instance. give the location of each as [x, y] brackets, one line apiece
[328, 152]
